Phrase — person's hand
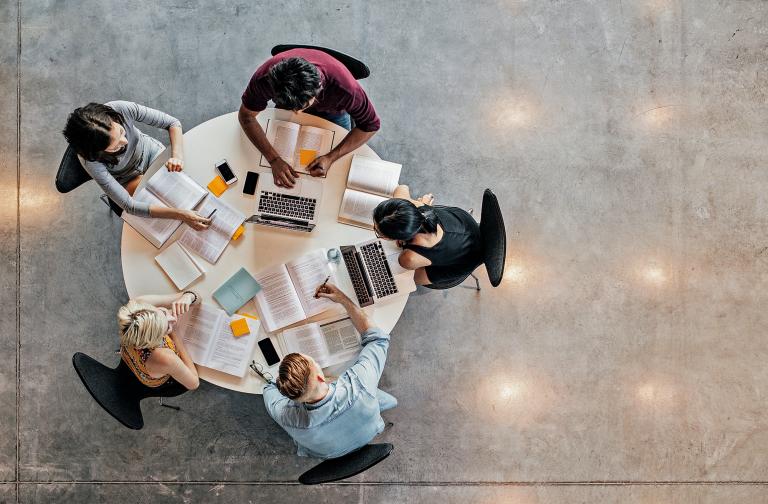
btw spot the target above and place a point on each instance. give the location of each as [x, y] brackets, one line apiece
[400, 243]
[330, 291]
[283, 174]
[319, 166]
[175, 164]
[427, 199]
[195, 220]
[181, 304]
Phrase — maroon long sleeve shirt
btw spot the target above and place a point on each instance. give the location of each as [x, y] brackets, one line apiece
[340, 91]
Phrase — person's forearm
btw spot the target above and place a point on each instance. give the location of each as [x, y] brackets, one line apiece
[184, 355]
[164, 212]
[358, 317]
[176, 135]
[256, 135]
[352, 141]
[162, 300]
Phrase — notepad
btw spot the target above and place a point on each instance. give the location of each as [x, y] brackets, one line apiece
[217, 186]
[180, 266]
[236, 291]
[306, 156]
[239, 327]
[238, 232]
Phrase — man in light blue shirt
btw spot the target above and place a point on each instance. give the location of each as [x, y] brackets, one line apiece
[328, 420]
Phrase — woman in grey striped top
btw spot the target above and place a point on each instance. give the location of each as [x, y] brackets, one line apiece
[116, 154]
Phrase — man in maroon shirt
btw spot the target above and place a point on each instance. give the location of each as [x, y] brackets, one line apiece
[311, 81]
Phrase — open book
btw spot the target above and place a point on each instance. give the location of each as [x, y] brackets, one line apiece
[210, 342]
[210, 243]
[288, 290]
[297, 145]
[165, 189]
[370, 182]
[329, 344]
[180, 266]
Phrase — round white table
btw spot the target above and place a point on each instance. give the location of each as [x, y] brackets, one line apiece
[259, 247]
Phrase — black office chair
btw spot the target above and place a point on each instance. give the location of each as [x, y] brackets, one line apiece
[347, 465]
[357, 68]
[72, 175]
[118, 391]
[494, 238]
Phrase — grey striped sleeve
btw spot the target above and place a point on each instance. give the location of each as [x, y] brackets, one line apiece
[115, 191]
[145, 115]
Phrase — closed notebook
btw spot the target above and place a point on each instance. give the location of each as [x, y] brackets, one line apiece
[180, 266]
[236, 291]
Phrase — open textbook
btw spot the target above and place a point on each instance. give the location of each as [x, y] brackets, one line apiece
[329, 344]
[288, 290]
[370, 182]
[210, 342]
[165, 189]
[211, 242]
[297, 145]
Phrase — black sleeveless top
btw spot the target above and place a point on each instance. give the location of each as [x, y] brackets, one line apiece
[459, 251]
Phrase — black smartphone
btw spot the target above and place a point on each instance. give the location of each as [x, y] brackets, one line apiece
[269, 352]
[251, 179]
[226, 172]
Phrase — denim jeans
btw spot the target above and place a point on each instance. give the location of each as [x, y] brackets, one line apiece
[341, 119]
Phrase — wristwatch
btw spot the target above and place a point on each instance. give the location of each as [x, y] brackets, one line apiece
[193, 295]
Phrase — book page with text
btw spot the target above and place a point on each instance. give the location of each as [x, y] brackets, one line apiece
[308, 272]
[373, 175]
[157, 231]
[277, 303]
[307, 339]
[210, 243]
[198, 327]
[229, 354]
[358, 207]
[283, 136]
[176, 189]
[342, 341]
[312, 138]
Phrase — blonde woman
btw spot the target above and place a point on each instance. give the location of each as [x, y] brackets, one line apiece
[148, 345]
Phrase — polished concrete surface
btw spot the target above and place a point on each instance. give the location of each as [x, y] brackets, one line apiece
[622, 359]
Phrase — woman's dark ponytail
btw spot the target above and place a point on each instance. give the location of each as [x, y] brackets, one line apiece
[400, 219]
[88, 129]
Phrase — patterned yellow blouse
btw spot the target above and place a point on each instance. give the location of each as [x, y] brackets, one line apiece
[136, 359]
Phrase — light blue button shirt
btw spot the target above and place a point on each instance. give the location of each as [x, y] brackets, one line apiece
[348, 417]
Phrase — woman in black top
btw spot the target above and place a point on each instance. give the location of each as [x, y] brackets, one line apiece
[442, 244]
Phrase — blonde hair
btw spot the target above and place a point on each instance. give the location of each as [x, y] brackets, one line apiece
[293, 376]
[141, 325]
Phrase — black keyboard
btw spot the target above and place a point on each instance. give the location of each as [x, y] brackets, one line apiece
[359, 279]
[286, 205]
[378, 268]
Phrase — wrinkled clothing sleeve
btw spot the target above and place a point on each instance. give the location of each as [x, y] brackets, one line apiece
[373, 356]
[275, 402]
[145, 115]
[115, 191]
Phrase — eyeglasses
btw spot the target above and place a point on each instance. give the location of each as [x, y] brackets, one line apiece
[259, 370]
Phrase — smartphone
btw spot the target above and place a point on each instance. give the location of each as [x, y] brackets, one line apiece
[269, 352]
[251, 179]
[226, 172]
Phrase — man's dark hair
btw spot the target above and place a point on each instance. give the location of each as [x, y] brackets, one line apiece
[294, 81]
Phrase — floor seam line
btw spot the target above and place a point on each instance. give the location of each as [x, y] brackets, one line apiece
[17, 469]
[408, 483]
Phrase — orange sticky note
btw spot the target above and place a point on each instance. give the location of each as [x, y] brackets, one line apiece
[239, 327]
[238, 232]
[217, 186]
[306, 156]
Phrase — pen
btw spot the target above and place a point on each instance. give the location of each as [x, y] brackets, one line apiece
[214, 211]
[321, 287]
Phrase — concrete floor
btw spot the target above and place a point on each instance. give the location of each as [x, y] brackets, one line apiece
[622, 360]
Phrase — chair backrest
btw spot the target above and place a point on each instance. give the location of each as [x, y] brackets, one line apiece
[494, 238]
[71, 173]
[357, 68]
[347, 465]
[448, 285]
[112, 389]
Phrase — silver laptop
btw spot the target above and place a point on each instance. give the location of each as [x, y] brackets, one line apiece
[293, 208]
[373, 273]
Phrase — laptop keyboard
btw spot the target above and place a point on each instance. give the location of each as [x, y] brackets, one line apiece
[378, 267]
[359, 280]
[287, 205]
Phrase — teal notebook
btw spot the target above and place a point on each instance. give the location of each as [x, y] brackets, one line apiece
[236, 291]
